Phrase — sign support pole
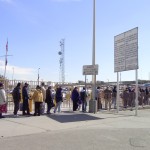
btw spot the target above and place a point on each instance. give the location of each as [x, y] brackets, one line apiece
[85, 83]
[136, 91]
[118, 97]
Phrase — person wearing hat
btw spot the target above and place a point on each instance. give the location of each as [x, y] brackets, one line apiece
[3, 101]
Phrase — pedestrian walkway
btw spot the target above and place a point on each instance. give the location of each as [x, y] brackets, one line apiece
[24, 125]
[76, 130]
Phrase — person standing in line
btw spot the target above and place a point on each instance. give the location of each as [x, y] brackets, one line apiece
[25, 96]
[43, 91]
[3, 100]
[125, 97]
[44, 97]
[49, 99]
[75, 98]
[97, 97]
[146, 95]
[132, 97]
[38, 99]
[83, 99]
[107, 97]
[142, 97]
[114, 96]
[59, 99]
[17, 98]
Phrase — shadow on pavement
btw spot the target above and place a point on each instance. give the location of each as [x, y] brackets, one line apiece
[65, 118]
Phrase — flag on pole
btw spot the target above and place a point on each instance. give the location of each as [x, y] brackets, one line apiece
[7, 46]
[6, 53]
[6, 62]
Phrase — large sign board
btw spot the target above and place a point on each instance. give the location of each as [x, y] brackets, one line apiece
[126, 51]
[90, 70]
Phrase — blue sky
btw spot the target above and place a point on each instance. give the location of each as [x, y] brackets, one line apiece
[34, 29]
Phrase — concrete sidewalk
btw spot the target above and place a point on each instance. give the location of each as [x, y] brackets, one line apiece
[109, 123]
[24, 125]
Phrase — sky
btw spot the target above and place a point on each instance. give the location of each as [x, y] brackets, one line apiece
[34, 29]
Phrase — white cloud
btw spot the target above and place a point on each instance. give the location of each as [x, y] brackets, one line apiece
[18, 72]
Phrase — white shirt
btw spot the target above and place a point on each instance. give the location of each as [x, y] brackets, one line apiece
[44, 92]
[2, 97]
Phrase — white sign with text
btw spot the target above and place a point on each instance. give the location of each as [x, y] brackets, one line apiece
[126, 51]
[90, 70]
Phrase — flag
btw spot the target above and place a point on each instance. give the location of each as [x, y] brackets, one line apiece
[6, 52]
[6, 62]
[7, 46]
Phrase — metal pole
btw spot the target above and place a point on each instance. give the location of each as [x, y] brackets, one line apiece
[93, 61]
[136, 91]
[85, 84]
[38, 75]
[118, 92]
[93, 53]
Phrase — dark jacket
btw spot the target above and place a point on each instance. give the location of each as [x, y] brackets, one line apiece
[25, 95]
[58, 95]
[83, 95]
[48, 96]
[16, 94]
[75, 95]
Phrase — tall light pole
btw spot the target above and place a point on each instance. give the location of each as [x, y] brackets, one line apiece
[38, 75]
[93, 102]
[62, 61]
[93, 54]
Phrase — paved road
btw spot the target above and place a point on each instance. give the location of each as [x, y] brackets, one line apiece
[72, 131]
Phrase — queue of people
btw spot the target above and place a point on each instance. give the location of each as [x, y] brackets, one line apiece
[107, 96]
[106, 99]
[21, 98]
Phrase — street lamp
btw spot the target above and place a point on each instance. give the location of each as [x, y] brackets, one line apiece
[38, 75]
[93, 53]
[93, 102]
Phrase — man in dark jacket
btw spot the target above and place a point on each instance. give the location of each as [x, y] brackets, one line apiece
[16, 97]
[114, 96]
[25, 96]
[59, 99]
[49, 99]
[83, 99]
[75, 98]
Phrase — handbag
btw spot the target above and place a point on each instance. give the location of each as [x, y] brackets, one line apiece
[3, 108]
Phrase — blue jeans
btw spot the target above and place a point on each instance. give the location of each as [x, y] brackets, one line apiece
[58, 105]
[114, 101]
[84, 104]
